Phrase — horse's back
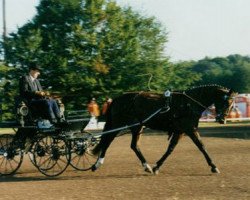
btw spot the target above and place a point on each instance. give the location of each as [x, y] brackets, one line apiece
[137, 101]
[132, 107]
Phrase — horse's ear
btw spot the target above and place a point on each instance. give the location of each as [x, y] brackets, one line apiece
[232, 93]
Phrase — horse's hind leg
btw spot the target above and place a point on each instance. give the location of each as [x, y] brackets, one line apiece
[173, 142]
[195, 136]
[136, 134]
[104, 144]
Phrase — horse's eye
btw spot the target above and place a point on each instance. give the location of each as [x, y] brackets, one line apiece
[225, 97]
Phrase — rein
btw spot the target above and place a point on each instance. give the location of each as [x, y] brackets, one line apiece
[194, 100]
[127, 126]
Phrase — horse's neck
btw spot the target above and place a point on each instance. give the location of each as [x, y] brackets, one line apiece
[205, 96]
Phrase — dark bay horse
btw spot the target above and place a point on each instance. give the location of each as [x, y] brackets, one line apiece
[179, 114]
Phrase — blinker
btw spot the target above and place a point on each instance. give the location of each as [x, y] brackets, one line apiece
[226, 97]
[167, 93]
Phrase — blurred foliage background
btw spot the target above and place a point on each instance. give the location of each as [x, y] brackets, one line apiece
[95, 48]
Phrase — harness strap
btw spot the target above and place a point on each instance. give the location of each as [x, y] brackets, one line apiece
[167, 109]
[199, 103]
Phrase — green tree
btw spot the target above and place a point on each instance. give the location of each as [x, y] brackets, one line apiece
[7, 92]
[232, 72]
[90, 47]
[182, 76]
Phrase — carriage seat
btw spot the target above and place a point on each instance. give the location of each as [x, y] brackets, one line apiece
[27, 114]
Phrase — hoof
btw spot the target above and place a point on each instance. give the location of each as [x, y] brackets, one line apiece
[156, 170]
[93, 168]
[215, 170]
[148, 169]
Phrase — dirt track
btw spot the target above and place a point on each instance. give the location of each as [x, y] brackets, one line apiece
[185, 175]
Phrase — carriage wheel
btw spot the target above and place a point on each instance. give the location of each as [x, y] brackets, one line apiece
[51, 155]
[81, 153]
[11, 157]
[31, 153]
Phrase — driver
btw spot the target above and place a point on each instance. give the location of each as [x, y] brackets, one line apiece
[31, 90]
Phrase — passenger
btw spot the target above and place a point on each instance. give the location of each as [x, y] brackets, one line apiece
[94, 110]
[37, 99]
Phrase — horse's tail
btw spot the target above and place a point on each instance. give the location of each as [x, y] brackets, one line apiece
[97, 149]
[118, 107]
[104, 140]
[105, 137]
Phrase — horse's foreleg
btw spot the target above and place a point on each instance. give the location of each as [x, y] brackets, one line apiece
[135, 147]
[173, 142]
[195, 136]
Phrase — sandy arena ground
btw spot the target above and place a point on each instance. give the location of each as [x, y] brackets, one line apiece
[185, 174]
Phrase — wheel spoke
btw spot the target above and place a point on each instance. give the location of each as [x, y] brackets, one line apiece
[82, 159]
[11, 159]
[54, 161]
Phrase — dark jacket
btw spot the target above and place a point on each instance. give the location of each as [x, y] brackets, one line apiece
[27, 88]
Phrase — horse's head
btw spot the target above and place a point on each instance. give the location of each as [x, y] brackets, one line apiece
[223, 104]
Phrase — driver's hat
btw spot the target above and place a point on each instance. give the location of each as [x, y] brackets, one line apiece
[34, 66]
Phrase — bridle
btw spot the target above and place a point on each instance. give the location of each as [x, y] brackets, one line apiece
[224, 111]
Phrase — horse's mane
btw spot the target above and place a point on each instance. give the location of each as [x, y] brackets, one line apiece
[157, 93]
[144, 92]
[206, 86]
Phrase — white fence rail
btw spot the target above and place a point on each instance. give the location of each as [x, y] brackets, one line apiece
[228, 119]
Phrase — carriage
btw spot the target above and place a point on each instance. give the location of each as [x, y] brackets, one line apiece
[50, 148]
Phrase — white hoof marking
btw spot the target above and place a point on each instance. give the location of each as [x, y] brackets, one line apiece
[147, 168]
